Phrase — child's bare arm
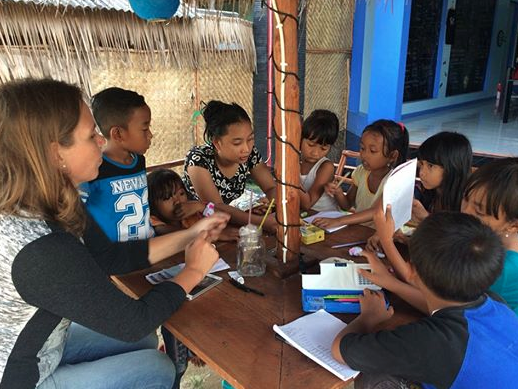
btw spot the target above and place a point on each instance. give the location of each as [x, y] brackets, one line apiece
[385, 230]
[324, 175]
[354, 218]
[187, 209]
[419, 213]
[262, 176]
[229, 234]
[207, 191]
[381, 276]
[165, 229]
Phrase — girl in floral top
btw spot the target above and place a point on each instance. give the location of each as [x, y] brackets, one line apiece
[218, 170]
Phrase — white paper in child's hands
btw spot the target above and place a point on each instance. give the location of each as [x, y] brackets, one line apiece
[399, 192]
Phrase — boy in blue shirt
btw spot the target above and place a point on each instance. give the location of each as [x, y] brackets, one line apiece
[468, 340]
[118, 197]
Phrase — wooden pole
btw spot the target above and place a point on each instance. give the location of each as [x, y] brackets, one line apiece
[288, 128]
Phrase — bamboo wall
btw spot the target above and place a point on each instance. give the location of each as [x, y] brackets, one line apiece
[328, 54]
[174, 65]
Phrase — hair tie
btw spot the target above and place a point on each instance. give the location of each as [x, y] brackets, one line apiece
[402, 126]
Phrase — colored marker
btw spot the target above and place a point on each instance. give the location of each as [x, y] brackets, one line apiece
[339, 296]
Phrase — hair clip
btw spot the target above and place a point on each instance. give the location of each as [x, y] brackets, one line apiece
[402, 126]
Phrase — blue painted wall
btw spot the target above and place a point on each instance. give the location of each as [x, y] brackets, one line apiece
[380, 37]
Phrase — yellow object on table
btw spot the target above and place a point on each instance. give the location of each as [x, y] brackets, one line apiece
[311, 234]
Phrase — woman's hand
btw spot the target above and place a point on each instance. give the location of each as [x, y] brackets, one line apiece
[213, 225]
[200, 254]
[419, 213]
[384, 223]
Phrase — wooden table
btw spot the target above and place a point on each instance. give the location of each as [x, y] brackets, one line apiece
[232, 330]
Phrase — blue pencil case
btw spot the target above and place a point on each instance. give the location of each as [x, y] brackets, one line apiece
[316, 299]
[336, 287]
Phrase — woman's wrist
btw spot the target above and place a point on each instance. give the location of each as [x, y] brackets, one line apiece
[188, 278]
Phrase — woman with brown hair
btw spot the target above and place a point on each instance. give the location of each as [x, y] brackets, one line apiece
[55, 261]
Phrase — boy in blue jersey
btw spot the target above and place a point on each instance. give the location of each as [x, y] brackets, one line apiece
[118, 197]
[468, 340]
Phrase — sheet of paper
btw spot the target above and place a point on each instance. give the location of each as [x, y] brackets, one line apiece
[399, 192]
[313, 336]
[167, 274]
[329, 214]
[219, 266]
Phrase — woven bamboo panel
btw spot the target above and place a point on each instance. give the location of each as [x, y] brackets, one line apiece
[168, 93]
[328, 53]
[327, 84]
[329, 24]
[232, 84]
[171, 95]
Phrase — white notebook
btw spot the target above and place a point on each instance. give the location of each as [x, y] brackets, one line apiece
[329, 214]
[313, 336]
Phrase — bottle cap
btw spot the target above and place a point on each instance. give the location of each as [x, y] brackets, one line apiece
[236, 276]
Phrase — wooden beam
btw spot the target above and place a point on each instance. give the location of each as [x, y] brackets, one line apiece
[288, 128]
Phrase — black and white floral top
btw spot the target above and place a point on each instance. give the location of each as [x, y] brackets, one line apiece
[229, 188]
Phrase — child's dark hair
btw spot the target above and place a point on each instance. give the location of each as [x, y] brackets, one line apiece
[113, 107]
[452, 151]
[219, 115]
[499, 178]
[162, 185]
[456, 255]
[395, 138]
[321, 126]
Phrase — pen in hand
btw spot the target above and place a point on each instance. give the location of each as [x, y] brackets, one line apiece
[245, 288]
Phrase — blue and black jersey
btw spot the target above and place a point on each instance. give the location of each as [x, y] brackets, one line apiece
[118, 199]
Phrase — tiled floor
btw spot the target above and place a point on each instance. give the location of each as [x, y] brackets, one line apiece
[484, 128]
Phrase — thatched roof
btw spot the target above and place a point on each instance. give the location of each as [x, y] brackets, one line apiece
[117, 5]
[37, 37]
[187, 8]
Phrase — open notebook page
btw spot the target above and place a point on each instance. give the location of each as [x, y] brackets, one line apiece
[313, 336]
